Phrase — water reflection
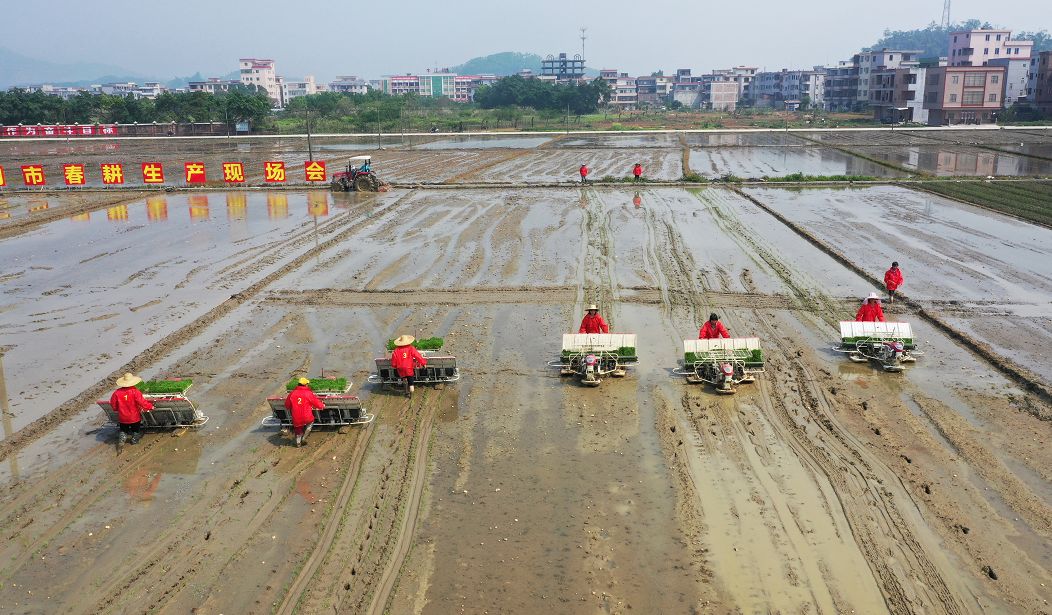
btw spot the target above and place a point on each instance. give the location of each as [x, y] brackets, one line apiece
[318, 204]
[118, 213]
[637, 200]
[198, 207]
[277, 206]
[236, 207]
[157, 208]
[84, 217]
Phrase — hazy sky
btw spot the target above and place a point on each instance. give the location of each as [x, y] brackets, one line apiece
[306, 37]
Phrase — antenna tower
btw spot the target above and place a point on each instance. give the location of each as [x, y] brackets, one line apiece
[946, 14]
[583, 30]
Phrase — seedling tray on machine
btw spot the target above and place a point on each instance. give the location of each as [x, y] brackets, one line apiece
[341, 408]
[441, 366]
[171, 407]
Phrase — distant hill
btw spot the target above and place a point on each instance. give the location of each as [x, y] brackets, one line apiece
[500, 64]
[17, 69]
[933, 41]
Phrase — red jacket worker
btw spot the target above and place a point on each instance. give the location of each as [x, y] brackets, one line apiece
[593, 322]
[870, 311]
[637, 171]
[404, 360]
[584, 172]
[301, 403]
[129, 404]
[893, 279]
[712, 328]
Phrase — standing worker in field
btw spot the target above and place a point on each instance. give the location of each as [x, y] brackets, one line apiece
[637, 172]
[593, 322]
[584, 172]
[404, 359]
[712, 329]
[300, 403]
[870, 310]
[129, 404]
[893, 280]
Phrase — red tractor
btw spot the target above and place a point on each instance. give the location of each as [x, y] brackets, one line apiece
[358, 177]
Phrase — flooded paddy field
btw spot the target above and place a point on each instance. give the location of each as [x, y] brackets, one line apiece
[756, 162]
[825, 486]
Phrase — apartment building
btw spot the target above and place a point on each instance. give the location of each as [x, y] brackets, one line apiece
[294, 89]
[841, 87]
[349, 84]
[869, 62]
[262, 73]
[654, 90]
[1017, 72]
[772, 89]
[1039, 88]
[563, 68]
[897, 94]
[213, 85]
[963, 94]
[977, 47]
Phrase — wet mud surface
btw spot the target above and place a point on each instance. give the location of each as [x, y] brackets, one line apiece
[826, 486]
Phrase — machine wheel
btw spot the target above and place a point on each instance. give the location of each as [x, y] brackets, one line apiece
[336, 185]
[366, 183]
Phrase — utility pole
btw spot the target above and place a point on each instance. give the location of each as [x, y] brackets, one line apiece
[378, 145]
[310, 146]
[567, 118]
[583, 37]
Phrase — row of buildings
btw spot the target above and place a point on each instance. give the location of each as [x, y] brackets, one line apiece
[984, 72]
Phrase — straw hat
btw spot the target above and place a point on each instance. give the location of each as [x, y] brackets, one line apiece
[128, 380]
[593, 308]
[873, 296]
[304, 381]
[404, 340]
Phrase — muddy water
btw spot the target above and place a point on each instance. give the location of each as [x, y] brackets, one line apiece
[975, 266]
[751, 162]
[825, 486]
[82, 296]
[960, 160]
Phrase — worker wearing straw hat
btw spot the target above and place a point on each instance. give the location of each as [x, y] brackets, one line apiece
[593, 322]
[300, 403]
[870, 311]
[129, 404]
[404, 359]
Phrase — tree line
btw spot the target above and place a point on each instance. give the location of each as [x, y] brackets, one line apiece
[518, 91]
[237, 105]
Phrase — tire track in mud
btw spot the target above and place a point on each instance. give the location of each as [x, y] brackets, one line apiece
[833, 468]
[363, 562]
[179, 337]
[407, 531]
[321, 549]
[1030, 381]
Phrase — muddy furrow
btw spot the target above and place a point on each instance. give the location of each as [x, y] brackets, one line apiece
[171, 342]
[897, 597]
[29, 222]
[333, 524]
[387, 580]
[1026, 378]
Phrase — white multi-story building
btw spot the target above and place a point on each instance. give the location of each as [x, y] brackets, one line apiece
[260, 72]
[294, 89]
[1017, 73]
[349, 84]
[214, 85]
[65, 93]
